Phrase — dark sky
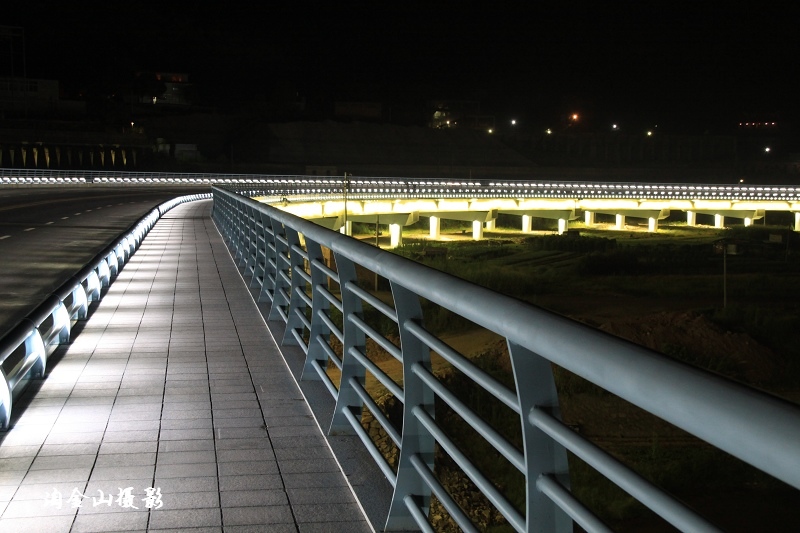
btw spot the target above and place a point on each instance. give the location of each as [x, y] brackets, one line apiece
[645, 61]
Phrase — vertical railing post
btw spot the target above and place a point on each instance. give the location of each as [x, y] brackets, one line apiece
[259, 252]
[283, 273]
[267, 293]
[354, 339]
[415, 440]
[296, 302]
[320, 332]
[533, 377]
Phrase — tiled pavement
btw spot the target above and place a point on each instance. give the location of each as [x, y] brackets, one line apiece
[175, 384]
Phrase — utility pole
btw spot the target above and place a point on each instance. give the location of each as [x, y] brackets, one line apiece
[345, 186]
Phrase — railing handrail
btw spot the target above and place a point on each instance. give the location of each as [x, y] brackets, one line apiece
[758, 428]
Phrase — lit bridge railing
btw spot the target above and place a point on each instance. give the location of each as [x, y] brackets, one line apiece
[308, 278]
[25, 348]
[312, 188]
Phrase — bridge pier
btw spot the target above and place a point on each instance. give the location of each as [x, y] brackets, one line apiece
[588, 218]
[691, 218]
[562, 225]
[347, 229]
[477, 230]
[436, 228]
[748, 221]
[652, 224]
[620, 221]
[797, 221]
[719, 221]
[396, 235]
[491, 224]
[527, 223]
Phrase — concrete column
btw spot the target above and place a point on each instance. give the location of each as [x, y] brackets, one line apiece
[691, 218]
[347, 229]
[652, 224]
[562, 226]
[527, 223]
[797, 221]
[719, 221]
[748, 221]
[396, 234]
[477, 230]
[620, 221]
[436, 228]
[490, 224]
[588, 218]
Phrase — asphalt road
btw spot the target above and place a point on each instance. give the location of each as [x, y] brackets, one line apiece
[48, 233]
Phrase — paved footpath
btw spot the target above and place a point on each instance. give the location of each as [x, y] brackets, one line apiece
[172, 410]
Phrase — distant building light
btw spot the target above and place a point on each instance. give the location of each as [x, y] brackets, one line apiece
[548, 131]
[574, 116]
[513, 122]
[614, 127]
[767, 149]
[490, 130]
[649, 133]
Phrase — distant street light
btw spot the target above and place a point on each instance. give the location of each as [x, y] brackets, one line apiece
[767, 149]
[614, 127]
[513, 122]
[649, 133]
[548, 131]
[490, 130]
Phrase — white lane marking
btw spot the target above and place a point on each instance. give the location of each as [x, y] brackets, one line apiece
[29, 229]
[64, 218]
[48, 223]
[5, 237]
[77, 214]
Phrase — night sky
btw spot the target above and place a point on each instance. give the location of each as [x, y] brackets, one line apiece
[648, 62]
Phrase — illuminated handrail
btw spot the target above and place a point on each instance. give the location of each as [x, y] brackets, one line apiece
[282, 258]
[24, 350]
[315, 188]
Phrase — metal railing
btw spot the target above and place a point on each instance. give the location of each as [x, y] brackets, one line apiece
[25, 348]
[308, 278]
[312, 188]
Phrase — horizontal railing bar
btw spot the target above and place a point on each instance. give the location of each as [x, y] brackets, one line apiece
[375, 410]
[371, 448]
[306, 300]
[325, 378]
[492, 436]
[300, 342]
[331, 325]
[487, 382]
[385, 310]
[382, 341]
[500, 502]
[299, 251]
[379, 374]
[648, 494]
[455, 511]
[325, 270]
[570, 505]
[329, 351]
[302, 273]
[331, 298]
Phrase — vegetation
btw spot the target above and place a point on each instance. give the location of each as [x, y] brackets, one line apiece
[602, 276]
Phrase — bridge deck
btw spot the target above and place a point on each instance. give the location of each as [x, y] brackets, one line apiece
[174, 383]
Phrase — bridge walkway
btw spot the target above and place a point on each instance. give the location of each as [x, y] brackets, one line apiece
[172, 410]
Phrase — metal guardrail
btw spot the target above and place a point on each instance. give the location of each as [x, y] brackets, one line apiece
[284, 260]
[25, 348]
[312, 188]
